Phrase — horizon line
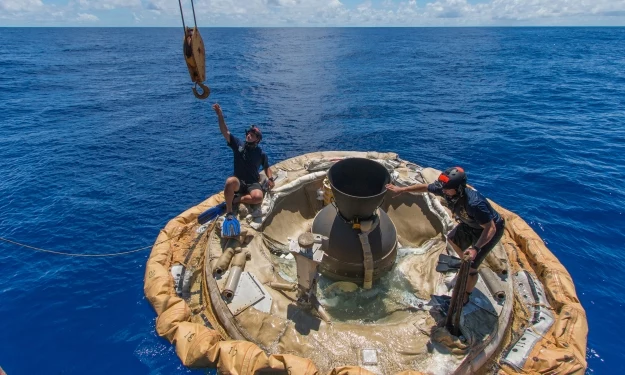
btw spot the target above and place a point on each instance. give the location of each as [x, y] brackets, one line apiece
[319, 27]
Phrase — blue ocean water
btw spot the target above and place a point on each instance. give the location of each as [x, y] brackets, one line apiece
[102, 142]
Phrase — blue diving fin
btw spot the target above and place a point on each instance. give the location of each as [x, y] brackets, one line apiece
[231, 226]
[211, 213]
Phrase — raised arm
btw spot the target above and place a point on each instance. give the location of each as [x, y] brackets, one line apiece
[222, 123]
[416, 188]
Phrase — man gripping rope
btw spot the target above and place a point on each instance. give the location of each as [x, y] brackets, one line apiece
[244, 186]
[480, 226]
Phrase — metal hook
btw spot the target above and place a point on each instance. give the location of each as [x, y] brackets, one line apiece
[206, 91]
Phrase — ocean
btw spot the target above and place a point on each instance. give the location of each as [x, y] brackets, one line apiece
[102, 142]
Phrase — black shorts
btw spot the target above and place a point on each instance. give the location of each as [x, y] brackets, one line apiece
[245, 189]
[467, 236]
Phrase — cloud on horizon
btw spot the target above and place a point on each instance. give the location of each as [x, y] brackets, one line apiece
[314, 12]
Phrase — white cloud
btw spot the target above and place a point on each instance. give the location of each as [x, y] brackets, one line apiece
[536, 9]
[86, 17]
[397, 13]
[15, 6]
[364, 7]
[448, 9]
[109, 4]
[159, 6]
[325, 12]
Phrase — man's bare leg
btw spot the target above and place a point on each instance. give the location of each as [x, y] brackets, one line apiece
[254, 197]
[232, 185]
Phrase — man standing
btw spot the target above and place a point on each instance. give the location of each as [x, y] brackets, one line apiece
[480, 226]
[245, 183]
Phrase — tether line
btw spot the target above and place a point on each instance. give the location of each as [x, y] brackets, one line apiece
[81, 255]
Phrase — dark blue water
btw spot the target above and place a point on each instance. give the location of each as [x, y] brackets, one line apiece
[102, 142]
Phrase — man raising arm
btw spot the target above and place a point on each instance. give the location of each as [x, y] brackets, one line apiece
[248, 157]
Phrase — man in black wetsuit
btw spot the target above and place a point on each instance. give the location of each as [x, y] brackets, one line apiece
[248, 158]
[480, 226]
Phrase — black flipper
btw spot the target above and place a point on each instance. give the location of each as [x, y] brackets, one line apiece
[447, 263]
[211, 213]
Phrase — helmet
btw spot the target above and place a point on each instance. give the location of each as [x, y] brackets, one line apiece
[452, 178]
[254, 129]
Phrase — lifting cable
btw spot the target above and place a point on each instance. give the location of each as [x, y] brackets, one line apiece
[194, 55]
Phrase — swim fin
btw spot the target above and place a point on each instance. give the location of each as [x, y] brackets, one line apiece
[447, 263]
[231, 226]
[211, 213]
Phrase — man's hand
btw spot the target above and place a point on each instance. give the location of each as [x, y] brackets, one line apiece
[223, 128]
[271, 184]
[395, 189]
[217, 109]
[471, 252]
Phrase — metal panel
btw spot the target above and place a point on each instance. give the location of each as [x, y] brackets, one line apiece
[519, 353]
[369, 357]
[369, 361]
[248, 293]
[264, 304]
[182, 280]
[533, 295]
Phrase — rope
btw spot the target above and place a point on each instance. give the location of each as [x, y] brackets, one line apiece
[182, 16]
[82, 255]
[193, 8]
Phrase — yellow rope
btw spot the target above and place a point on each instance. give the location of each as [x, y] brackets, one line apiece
[81, 255]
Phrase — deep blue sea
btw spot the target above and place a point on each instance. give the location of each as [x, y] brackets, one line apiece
[102, 143]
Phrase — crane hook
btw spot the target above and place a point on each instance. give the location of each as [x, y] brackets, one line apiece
[206, 91]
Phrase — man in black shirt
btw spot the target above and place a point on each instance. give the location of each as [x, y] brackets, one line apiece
[248, 158]
[480, 226]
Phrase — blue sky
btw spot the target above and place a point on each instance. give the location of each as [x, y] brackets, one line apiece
[315, 12]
